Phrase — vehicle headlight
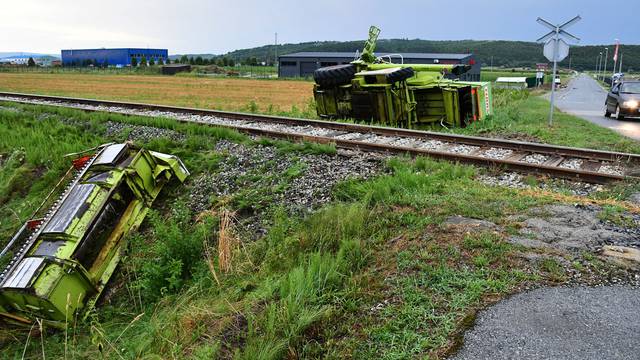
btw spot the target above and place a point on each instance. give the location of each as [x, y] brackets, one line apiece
[630, 104]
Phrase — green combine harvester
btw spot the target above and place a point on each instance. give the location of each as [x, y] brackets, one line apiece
[59, 264]
[399, 95]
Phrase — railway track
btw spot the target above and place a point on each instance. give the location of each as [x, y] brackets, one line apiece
[586, 165]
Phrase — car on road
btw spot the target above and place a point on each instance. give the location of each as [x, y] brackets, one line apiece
[623, 100]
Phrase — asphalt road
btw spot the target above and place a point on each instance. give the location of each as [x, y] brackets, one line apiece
[558, 323]
[584, 97]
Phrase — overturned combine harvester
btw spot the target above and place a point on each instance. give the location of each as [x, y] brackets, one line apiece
[59, 264]
[399, 95]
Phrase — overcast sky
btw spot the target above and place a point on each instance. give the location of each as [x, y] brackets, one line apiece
[211, 26]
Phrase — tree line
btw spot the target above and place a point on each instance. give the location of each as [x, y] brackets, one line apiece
[496, 53]
[217, 60]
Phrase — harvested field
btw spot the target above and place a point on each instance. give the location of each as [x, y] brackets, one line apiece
[210, 93]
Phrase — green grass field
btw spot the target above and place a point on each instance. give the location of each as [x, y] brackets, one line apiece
[373, 274]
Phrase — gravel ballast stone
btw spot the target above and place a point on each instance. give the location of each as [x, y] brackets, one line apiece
[262, 167]
[558, 323]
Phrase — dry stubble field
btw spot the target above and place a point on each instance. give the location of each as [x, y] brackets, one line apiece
[211, 93]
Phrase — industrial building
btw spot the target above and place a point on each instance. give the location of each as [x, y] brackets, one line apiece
[303, 64]
[112, 57]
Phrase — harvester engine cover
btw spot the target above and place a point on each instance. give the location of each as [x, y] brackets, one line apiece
[59, 262]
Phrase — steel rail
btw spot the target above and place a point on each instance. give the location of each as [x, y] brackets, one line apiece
[520, 146]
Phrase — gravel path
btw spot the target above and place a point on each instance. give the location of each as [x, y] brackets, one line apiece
[559, 323]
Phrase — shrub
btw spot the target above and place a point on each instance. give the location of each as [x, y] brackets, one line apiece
[175, 254]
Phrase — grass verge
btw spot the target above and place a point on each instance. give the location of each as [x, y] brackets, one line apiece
[373, 274]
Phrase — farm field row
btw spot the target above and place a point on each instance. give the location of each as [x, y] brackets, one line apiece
[210, 93]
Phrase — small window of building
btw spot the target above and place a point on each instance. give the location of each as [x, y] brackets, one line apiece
[328, 63]
[288, 63]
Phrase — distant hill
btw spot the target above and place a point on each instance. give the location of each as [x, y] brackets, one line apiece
[504, 53]
[15, 54]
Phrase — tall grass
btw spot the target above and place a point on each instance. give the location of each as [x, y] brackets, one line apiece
[520, 114]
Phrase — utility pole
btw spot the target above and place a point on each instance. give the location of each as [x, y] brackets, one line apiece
[597, 64]
[556, 49]
[569, 63]
[491, 67]
[615, 58]
[275, 62]
[620, 71]
[604, 66]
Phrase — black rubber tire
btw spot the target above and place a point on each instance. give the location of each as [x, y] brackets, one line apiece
[400, 75]
[606, 111]
[460, 69]
[335, 75]
[619, 115]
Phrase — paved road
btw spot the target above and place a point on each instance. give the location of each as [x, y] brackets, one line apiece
[559, 323]
[585, 98]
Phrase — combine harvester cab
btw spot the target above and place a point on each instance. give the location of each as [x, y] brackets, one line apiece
[62, 262]
[399, 95]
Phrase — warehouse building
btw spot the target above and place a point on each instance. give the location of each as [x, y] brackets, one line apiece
[112, 57]
[303, 64]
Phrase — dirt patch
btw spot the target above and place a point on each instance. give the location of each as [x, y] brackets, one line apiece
[574, 229]
[470, 224]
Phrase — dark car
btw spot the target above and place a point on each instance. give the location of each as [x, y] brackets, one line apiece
[623, 100]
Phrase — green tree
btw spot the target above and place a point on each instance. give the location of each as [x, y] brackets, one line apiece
[134, 61]
[192, 61]
[225, 61]
[31, 62]
[152, 62]
[199, 60]
[232, 62]
[184, 59]
[143, 61]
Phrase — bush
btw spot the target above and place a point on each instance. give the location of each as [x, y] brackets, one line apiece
[175, 254]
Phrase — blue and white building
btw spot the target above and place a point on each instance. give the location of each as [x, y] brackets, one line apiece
[112, 57]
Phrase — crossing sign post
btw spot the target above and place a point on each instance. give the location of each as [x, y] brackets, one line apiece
[556, 49]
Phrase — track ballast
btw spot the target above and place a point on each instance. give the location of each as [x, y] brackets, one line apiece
[593, 166]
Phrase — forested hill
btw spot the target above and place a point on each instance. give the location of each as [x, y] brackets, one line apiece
[504, 53]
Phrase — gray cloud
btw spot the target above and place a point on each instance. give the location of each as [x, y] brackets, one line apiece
[220, 26]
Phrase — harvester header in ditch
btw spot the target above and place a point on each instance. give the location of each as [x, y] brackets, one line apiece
[59, 261]
[400, 95]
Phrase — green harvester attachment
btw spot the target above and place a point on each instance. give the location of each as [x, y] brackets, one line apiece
[59, 264]
[399, 95]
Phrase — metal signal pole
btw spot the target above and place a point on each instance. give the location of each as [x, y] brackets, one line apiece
[556, 49]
